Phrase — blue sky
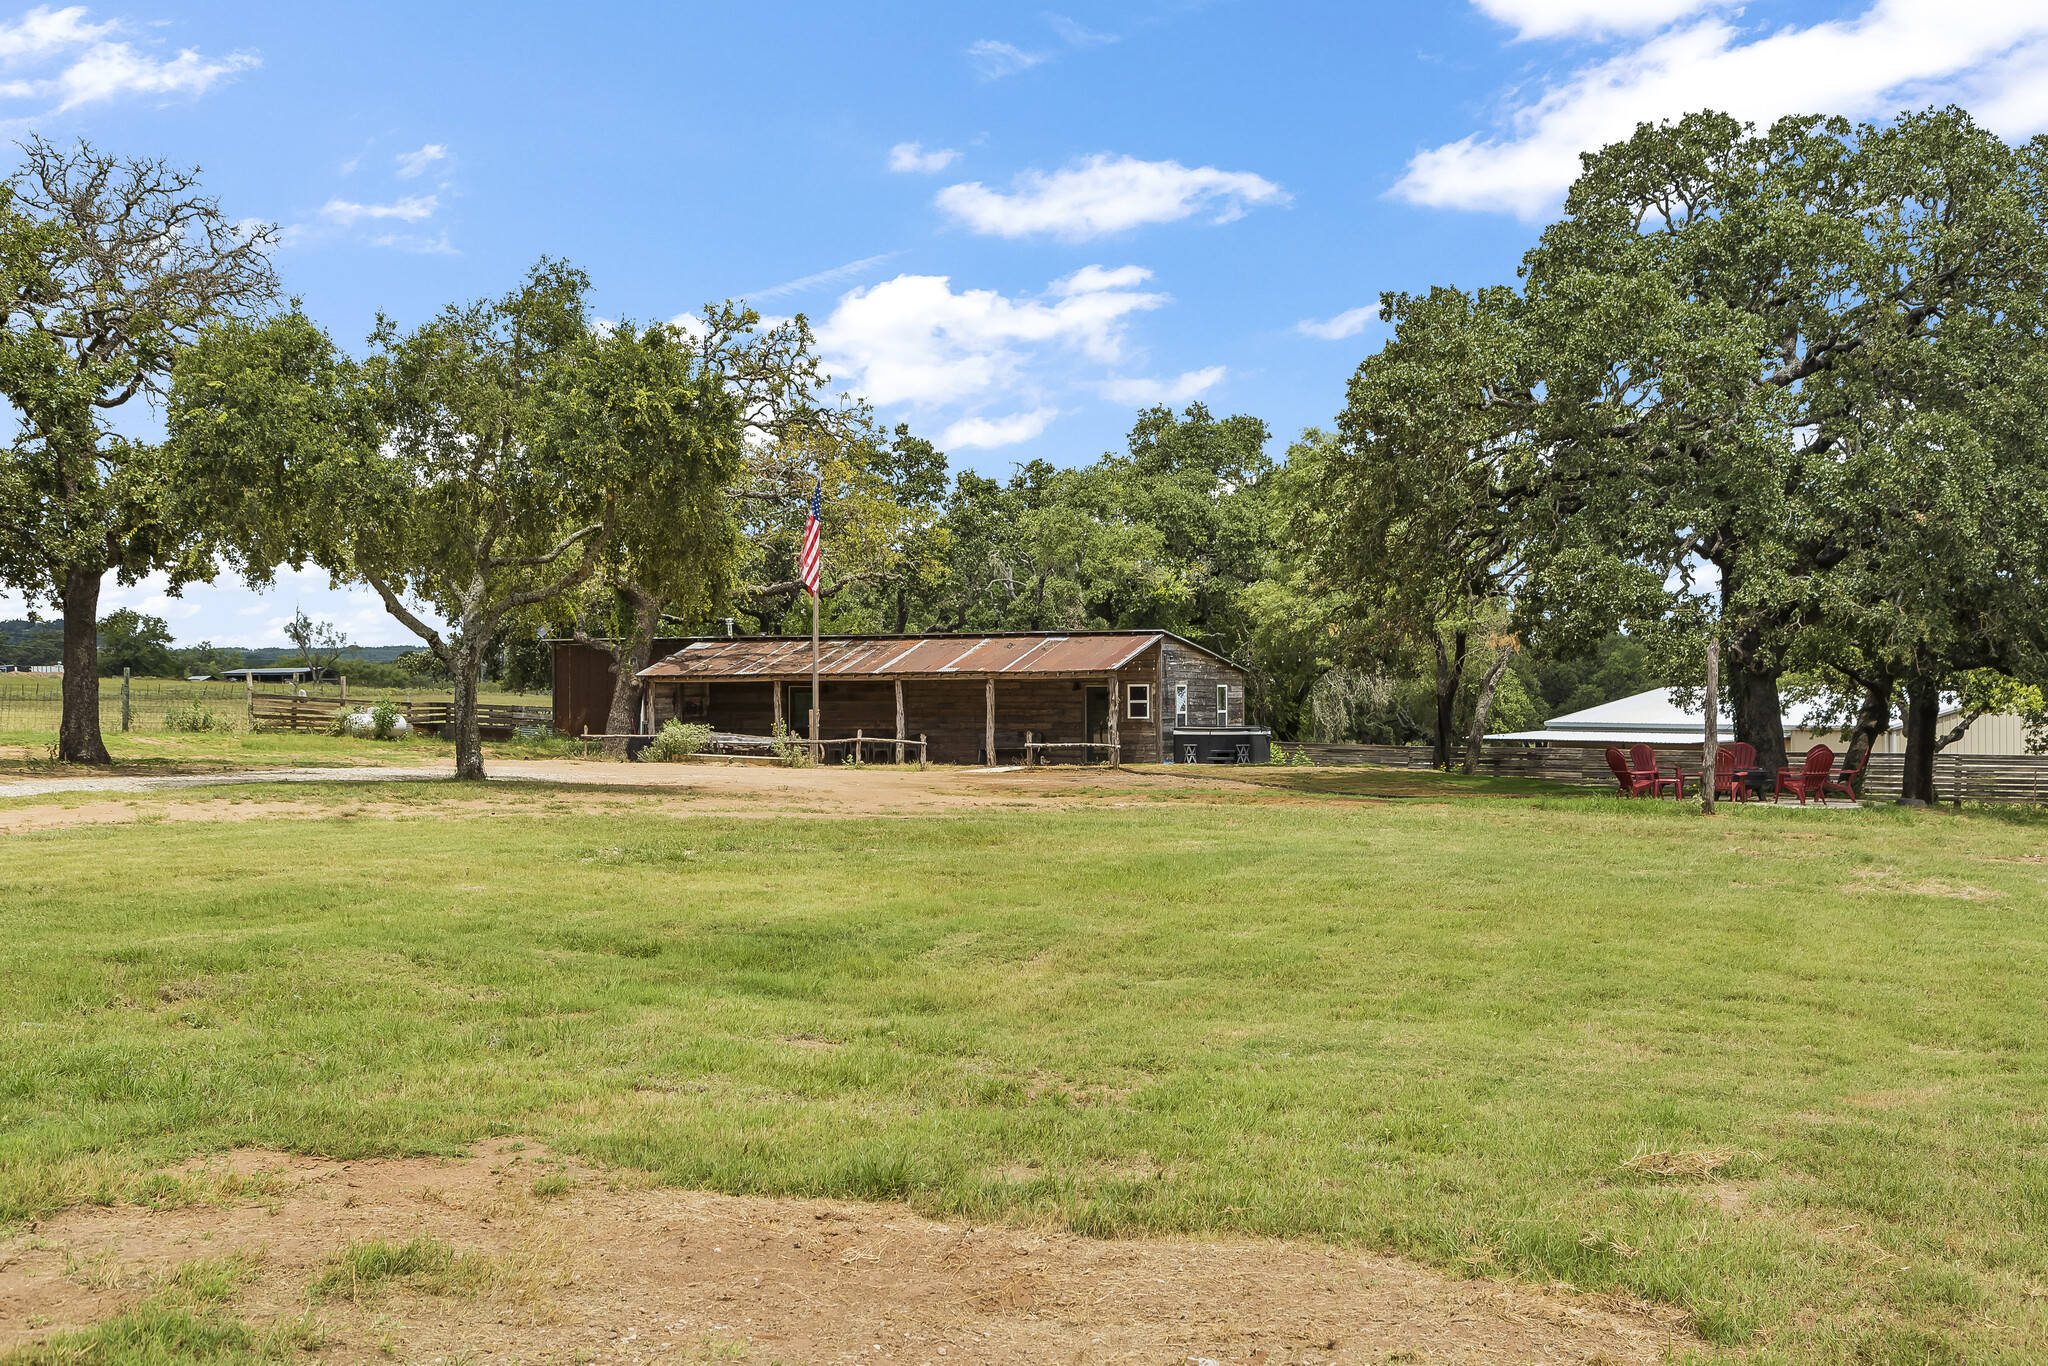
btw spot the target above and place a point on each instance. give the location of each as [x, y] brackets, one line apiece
[1011, 225]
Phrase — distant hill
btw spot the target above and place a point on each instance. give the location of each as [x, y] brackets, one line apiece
[49, 636]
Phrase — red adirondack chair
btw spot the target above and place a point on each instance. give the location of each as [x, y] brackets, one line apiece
[1811, 780]
[1845, 781]
[1643, 759]
[1632, 783]
[1741, 760]
[1732, 766]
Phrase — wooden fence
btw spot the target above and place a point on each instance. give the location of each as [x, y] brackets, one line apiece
[1959, 778]
[320, 713]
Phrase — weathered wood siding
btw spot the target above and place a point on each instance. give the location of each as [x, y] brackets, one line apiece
[950, 713]
[583, 684]
[1202, 674]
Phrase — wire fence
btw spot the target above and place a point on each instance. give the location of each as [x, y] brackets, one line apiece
[34, 703]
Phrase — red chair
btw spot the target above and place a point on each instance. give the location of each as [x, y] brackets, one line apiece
[1642, 759]
[1845, 781]
[1731, 772]
[1632, 783]
[1812, 778]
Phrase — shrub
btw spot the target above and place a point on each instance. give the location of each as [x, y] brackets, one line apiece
[383, 721]
[197, 716]
[789, 748]
[676, 741]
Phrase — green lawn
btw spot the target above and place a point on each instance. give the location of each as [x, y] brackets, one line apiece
[1434, 1027]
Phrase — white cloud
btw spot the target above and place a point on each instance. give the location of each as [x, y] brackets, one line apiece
[44, 32]
[416, 244]
[1075, 35]
[911, 156]
[411, 209]
[1349, 323]
[1554, 18]
[1192, 384]
[102, 68]
[993, 60]
[410, 164]
[1104, 194]
[914, 340]
[986, 434]
[110, 69]
[823, 277]
[1993, 59]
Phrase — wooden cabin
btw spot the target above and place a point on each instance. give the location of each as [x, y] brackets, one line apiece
[974, 697]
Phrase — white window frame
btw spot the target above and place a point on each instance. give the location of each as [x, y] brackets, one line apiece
[1138, 701]
[1180, 704]
[1223, 703]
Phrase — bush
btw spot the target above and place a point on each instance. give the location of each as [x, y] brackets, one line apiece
[676, 741]
[384, 721]
[789, 748]
[197, 716]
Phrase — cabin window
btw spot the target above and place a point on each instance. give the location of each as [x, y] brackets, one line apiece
[1223, 703]
[1139, 698]
[1180, 704]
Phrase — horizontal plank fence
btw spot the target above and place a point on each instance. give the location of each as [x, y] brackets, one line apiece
[1962, 778]
[491, 717]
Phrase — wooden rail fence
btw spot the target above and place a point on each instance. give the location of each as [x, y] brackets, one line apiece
[319, 714]
[1988, 778]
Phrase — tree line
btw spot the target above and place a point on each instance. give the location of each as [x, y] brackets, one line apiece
[1774, 394]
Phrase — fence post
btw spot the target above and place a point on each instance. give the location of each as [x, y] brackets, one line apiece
[922, 755]
[250, 679]
[344, 692]
[124, 697]
[858, 747]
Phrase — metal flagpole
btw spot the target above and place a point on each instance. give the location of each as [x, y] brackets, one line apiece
[817, 750]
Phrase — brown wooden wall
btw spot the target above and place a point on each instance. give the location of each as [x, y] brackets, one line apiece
[950, 713]
[1203, 674]
[583, 684]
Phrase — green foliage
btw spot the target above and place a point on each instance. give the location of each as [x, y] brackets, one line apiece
[789, 747]
[196, 717]
[130, 640]
[676, 741]
[424, 665]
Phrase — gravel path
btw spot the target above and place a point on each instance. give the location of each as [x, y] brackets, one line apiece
[43, 787]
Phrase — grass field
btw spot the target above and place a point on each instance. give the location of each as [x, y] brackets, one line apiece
[1783, 1069]
[32, 704]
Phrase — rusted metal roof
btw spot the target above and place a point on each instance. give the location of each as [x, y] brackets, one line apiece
[963, 656]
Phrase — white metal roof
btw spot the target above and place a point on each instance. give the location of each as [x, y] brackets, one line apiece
[1648, 718]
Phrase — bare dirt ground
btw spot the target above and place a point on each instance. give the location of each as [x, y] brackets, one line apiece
[681, 789]
[611, 1271]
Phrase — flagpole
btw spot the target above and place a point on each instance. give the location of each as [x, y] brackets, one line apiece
[817, 751]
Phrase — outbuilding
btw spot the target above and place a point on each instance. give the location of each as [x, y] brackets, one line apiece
[1147, 696]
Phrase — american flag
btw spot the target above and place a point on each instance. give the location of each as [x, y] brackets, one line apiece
[813, 554]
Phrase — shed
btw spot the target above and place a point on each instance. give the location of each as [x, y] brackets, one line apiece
[975, 697]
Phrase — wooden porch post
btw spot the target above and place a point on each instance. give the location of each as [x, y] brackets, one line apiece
[776, 688]
[899, 721]
[989, 729]
[1116, 754]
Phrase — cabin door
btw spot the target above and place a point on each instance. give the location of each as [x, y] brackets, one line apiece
[799, 721]
[1098, 716]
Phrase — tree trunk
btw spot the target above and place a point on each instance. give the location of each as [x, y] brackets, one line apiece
[1923, 703]
[1482, 705]
[1753, 693]
[467, 666]
[1873, 719]
[78, 733]
[629, 657]
[1450, 672]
